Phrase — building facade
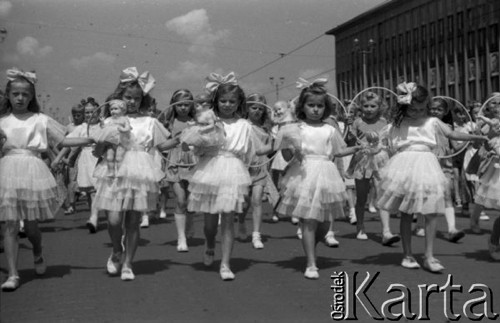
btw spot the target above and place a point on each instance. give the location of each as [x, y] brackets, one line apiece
[449, 46]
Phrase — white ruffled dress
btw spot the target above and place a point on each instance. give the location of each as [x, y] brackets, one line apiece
[312, 185]
[220, 180]
[86, 161]
[136, 184]
[488, 192]
[28, 190]
[412, 181]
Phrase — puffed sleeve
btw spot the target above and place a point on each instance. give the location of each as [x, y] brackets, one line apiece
[337, 141]
[56, 132]
[160, 133]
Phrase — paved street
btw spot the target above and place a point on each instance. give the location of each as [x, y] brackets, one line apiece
[269, 284]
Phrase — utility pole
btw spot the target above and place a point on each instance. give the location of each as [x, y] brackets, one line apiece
[364, 52]
[277, 84]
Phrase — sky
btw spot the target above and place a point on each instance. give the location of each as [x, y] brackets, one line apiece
[79, 47]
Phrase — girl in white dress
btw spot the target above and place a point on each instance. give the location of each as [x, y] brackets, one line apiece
[412, 181]
[27, 187]
[220, 180]
[135, 188]
[312, 187]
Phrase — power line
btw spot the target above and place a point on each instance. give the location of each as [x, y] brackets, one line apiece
[282, 55]
[130, 35]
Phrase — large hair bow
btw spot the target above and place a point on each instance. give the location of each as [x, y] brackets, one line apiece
[406, 89]
[214, 80]
[146, 80]
[14, 73]
[303, 83]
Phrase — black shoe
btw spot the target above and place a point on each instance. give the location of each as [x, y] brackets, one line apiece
[92, 228]
[455, 236]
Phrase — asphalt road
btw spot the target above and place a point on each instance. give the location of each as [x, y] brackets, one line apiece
[269, 284]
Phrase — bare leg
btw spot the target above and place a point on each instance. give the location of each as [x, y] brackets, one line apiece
[362, 190]
[93, 220]
[131, 238]
[115, 230]
[227, 238]
[309, 243]
[34, 236]
[405, 230]
[180, 212]
[11, 246]
[474, 218]
[210, 231]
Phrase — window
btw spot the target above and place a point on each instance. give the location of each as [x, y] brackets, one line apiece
[441, 29]
[450, 26]
[460, 23]
[432, 31]
[493, 36]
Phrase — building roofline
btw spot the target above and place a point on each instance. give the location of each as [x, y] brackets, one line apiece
[347, 24]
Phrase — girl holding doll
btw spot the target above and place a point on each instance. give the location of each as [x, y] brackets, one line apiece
[135, 187]
[220, 180]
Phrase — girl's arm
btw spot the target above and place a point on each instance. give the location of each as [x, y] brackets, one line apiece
[348, 151]
[76, 142]
[62, 153]
[169, 144]
[455, 135]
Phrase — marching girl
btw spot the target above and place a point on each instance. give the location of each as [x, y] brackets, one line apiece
[260, 120]
[86, 161]
[283, 114]
[220, 180]
[70, 171]
[312, 187]
[488, 191]
[439, 109]
[365, 165]
[412, 181]
[179, 117]
[135, 187]
[27, 187]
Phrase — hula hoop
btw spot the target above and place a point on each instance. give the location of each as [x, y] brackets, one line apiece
[344, 135]
[486, 102]
[92, 116]
[466, 143]
[367, 89]
[194, 164]
[171, 105]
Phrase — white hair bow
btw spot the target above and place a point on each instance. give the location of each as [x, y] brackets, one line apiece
[14, 73]
[303, 83]
[146, 80]
[406, 89]
[214, 80]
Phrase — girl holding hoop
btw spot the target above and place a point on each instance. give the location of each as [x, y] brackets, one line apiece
[312, 188]
[489, 185]
[135, 187]
[439, 108]
[180, 116]
[412, 181]
[364, 166]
